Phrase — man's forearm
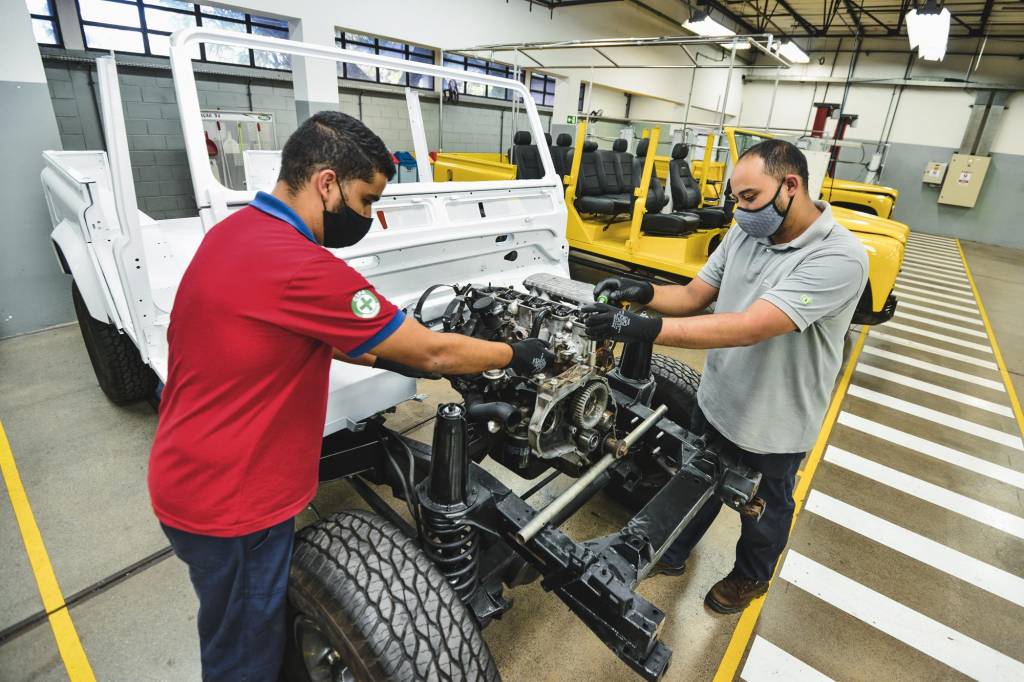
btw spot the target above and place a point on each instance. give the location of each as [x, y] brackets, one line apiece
[723, 330]
[675, 300]
[465, 355]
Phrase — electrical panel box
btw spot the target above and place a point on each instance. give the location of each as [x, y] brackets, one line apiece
[964, 178]
[934, 173]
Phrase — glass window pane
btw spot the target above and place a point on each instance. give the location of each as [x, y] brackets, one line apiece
[357, 72]
[358, 38]
[265, 59]
[100, 38]
[267, 21]
[45, 32]
[418, 80]
[160, 45]
[176, 4]
[391, 45]
[110, 13]
[222, 12]
[392, 76]
[496, 93]
[394, 54]
[159, 20]
[39, 7]
[422, 52]
[229, 54]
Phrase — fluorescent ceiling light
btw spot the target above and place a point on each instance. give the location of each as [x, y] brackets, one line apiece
[928, 31]
[792, 52]
[703, 25]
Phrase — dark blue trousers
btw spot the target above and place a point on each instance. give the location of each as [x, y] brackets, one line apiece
[761, 542]
[242, 585]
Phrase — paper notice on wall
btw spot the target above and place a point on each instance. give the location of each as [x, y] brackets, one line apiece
[965, 178]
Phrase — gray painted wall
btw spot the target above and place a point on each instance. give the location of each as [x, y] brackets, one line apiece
[162, 180]
[34, 293]
[63, 114]
[996, 219]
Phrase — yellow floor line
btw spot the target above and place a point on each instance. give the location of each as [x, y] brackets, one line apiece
[68, 644]
[745, 626]
[1010, 392]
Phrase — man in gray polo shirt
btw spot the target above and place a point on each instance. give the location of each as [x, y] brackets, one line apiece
[785, 284]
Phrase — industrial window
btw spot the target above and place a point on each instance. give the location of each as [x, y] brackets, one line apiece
[583, 96]
[474, 65]
[145, 26]
[44, 22]
[543, 89]
[384, 48]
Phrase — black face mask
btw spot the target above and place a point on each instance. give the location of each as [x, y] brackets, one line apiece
[344, 227]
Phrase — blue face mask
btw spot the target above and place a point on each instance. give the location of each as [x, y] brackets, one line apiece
[761, 222]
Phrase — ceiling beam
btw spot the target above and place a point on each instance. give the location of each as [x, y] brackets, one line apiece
[798, 18]
[737, 19]
[985, 15]
[852, 11]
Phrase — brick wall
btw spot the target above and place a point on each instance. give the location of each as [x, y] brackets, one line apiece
[157, 149]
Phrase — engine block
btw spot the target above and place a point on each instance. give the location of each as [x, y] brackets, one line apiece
[560, 418]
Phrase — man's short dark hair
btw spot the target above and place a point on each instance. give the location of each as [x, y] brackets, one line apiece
[780, 159]
[331, 139]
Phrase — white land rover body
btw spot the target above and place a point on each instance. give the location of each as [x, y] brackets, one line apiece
[126, 266]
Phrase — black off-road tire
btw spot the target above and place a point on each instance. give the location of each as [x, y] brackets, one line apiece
[384, 607]
[120, 371]
[676, 386]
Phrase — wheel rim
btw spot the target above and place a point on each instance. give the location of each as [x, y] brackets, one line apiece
[322, 661]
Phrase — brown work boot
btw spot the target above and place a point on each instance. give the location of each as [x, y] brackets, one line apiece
[733, 593]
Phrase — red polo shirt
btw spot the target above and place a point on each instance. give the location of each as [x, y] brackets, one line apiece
[254, 320]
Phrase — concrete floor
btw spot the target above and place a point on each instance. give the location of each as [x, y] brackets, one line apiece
[83, 464]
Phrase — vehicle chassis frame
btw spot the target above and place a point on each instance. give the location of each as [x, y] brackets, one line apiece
[595, 578]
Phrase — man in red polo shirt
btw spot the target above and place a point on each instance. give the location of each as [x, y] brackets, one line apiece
[259, 313]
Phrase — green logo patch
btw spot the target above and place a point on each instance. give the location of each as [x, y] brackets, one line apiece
[365, 304]
[805, 299]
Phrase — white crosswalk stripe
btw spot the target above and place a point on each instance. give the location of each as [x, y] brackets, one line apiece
[893, 324]
[917, 345]
[937, 451]
[958, 328]
[768, 663]
[932, 367]
[934, 389]
[946, 559]
[903, 293]
[944, 644]
[942, 273]
[929, 492]
[943, 284]
[941, 418]
[972, 319]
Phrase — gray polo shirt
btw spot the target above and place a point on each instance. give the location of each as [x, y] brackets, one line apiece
[772, 396]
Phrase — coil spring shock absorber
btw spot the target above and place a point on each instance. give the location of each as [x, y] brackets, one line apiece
[444, 500]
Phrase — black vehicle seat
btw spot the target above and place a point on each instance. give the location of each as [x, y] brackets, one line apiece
[589, 189]
[656, 199]
[686, 190]
[624, 167]
[560, 154]
[655, 223]
[526, 157]
[609, 177]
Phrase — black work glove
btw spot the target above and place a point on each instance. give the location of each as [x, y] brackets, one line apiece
[618, 289]
[608, 322]
[530, 356]
[404, 370]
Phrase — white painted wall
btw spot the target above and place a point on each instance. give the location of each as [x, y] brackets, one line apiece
[926, 116]
[21, 62]
[455, 24]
